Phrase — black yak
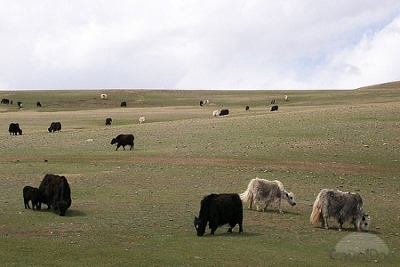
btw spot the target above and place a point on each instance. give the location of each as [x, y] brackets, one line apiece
[56, 193]
[108, 121]
[32, 194]
[274, 108]
[343, 206]
[217, 210]
[123, 140]
[54, 126]
[14, 129]
[123, 104]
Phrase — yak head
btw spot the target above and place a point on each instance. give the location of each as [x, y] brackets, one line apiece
[62, 207]
[114, 141]
[290, 198]
[362, 222]
[200, 225]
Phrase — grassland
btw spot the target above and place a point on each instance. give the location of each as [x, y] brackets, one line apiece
[136, 208]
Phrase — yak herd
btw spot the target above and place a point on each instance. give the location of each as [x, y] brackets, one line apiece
[220, 209]
[215, 209]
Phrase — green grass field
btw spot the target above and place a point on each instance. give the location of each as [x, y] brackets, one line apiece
[136, 208]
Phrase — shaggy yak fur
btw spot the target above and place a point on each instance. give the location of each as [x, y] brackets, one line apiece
[265, 192]
[343, 206]
[124, 140]
[56, 193]
[31, 194]
[217, 210]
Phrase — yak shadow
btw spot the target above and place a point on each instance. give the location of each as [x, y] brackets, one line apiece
[69, 213]
[271, 211]
[75, 213]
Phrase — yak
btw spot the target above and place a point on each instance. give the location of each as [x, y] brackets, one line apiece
[274, 108]
[54, 126]
[217, 210]
[343, 206]
[32, 194]
[265, 192]
[123, 104]
[56, 193]
[123, 140]
[14, 129]
[108, 121]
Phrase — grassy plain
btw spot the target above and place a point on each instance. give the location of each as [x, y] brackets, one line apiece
[136, 208]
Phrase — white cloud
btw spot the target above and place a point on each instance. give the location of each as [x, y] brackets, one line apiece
[236, 44]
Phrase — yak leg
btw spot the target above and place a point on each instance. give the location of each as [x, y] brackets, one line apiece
[325, 222]
[26, 204]
[278, 204]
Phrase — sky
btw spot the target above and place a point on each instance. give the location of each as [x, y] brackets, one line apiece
[188, 44]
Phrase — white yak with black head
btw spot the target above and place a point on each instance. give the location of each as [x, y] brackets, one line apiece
[343, 206]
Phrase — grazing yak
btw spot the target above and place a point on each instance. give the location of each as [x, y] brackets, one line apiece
[14, 129]
[123, 104]
[142, 119]
[38, 104]
[5, 101]
[274, 108]
[123, 140]
[108, 121]
[343, 206]
[247, 108]
[222, 112]
[103, 96]
[19, 103]
[265, 192]
[56, 193]
[217, 210]
[32, 194]
[54, 126]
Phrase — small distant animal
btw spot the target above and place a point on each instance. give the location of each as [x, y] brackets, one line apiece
[103, 96]
[247, 108]
[108, 121]
[56, 193]
[215, 113]
[274, 108]
[54, 126]
[142, 119]
[123, 104]
[286, 98]
[5, 101]
[343, 206]
[223, 112]
[19, 103]
[201, 103]
[123, 140]
[14, 129]
[272, 101]
[263, 192]
[217, 210]
[32, 194]
[38, 104]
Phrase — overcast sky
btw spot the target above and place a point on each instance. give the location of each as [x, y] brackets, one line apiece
[226, 44]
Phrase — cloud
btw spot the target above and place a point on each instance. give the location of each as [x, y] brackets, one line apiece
[198, 44]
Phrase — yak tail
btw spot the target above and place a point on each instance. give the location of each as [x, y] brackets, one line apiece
[316, 212]
[247, 195]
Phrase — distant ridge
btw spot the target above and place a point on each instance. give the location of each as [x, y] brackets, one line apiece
[389, 85]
